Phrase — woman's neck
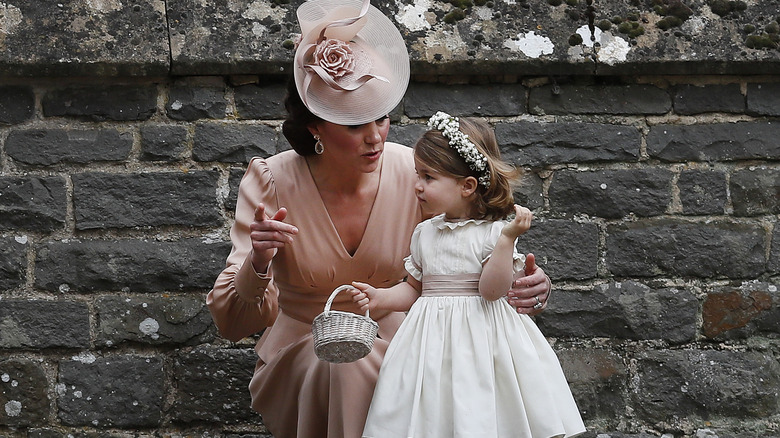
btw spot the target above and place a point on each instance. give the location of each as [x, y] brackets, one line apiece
[338, 179]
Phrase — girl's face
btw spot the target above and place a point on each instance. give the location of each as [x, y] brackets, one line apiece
[439, 193]
[356, 147]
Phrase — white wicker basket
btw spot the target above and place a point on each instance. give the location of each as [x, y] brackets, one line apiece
[341, 337]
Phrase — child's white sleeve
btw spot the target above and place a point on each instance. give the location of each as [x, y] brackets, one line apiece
[518, 259]
[412, 262]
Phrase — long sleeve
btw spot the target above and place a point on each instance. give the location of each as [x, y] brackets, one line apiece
[233, 302]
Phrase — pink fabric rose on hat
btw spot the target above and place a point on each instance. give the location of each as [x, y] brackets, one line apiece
[335, 56]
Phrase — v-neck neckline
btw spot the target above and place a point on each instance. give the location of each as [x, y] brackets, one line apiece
[324, 209]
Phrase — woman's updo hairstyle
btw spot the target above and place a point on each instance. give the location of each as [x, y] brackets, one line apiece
[296, 126]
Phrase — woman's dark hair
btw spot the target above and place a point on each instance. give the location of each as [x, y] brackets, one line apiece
[299, 118]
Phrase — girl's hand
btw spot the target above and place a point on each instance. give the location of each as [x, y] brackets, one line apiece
[520, 224]
[268, 234]
[363, 295]
[530, 293]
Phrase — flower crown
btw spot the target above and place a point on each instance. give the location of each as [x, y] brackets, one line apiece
[458, 140]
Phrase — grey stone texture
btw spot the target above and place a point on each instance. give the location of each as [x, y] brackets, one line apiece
[690, 99]
[598, 381]
[32, 203]
[611, 194]
[164, 142]
[260, 101]
[616, 99]
[44, 147]
[625, 310]
[40, 324]
[125, 391]
[755, 191]
[764, 99]
[196, 101]
[233, 143]
[739, 312]
[106, 200]
[17, 104]
[23, 393]
[702, 192]
[119, 102]
[538, 144]
[13, 262]
[566, 249]
[132, 265]
[714, 142]
[687, 249]
[423, 100]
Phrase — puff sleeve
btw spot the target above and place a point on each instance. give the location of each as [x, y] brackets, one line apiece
[518, 259]
[412, 262]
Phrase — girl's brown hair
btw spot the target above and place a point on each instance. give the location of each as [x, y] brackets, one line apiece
[493, 203]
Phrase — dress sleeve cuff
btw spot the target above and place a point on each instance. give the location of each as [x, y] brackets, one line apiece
[250, 285]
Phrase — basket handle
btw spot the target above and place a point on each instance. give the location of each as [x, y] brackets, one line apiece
[335, 292]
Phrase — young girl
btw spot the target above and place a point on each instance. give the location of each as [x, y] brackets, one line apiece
[464, 363]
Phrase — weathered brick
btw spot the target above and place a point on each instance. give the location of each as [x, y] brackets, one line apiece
[211, 385]
[540, 144]
[23, 393]
[233, 143]
[702, 192]
[565, 249]
[423, 100]
[714, 142]
[529, 192]
[611, 194]
[406, 135]
[265, 101]
[134, 265]
[43, 324]
[755, 191]
[668, 247]
[721, 98]
[595, 99]
[32, 203]
[118, 102]
[702, 383]
[737, 312]
[234, 181]
[13, 262]
[625, 310]
[163, 142]
[52, 146]
[116, 391]
[763, 99]
[154, 320]
[193, 101]
[597, 379]
[104, 200]
[17, 104]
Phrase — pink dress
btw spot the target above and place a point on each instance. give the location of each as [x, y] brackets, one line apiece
[297, 394]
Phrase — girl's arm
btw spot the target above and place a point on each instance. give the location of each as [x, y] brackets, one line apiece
[398, 298]
[498, 273]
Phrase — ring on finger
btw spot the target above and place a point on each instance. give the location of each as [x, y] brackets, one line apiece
[538, 301]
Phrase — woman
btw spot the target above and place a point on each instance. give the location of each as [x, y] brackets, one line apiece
[338, 208]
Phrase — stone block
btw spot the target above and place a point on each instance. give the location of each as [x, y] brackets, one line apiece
[424, 100]
[702, 192]
[597, 379]
[234, 181]
[23, 393]
[701, 384]
[599, 99]
[194, 101]
[737, 312]
[540, 144]
[565, 249]
[262, 101]
[755, 191]
[17, 104]
[32, 203]
[623, 310]
[611, 194]
[129, 265]
[233, 143]
[164, 142]
[714, 142]
[669, 247]
[530, 191]
[44, 147]
[42, 324]
[774, 256]
[13, 262]
[153, 320]
[111, 392]
[406, 135]
[720, 98]
[763, 99]
[106, 200]
[211, 385]
[99, 103]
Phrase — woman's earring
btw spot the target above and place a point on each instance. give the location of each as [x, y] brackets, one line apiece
[319, 148]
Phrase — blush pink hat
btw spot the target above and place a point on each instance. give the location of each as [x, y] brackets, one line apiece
[351, 65]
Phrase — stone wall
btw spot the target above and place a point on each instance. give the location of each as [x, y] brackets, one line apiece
[654, 180]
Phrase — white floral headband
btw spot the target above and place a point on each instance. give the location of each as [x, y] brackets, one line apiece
[458, 140]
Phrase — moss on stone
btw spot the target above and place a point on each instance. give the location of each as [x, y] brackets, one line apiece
[288, 44]
[669, 22]
[461, 4]
[575, 39]
[762, 41]
[555, 2]
[572, 2]
[749, 28]
[454, 15]
[631, 28]
[604, 25]
[773, 27]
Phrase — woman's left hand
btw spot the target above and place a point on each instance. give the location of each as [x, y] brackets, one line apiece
[530, 293]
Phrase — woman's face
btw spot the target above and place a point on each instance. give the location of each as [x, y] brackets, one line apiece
[359, 147]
